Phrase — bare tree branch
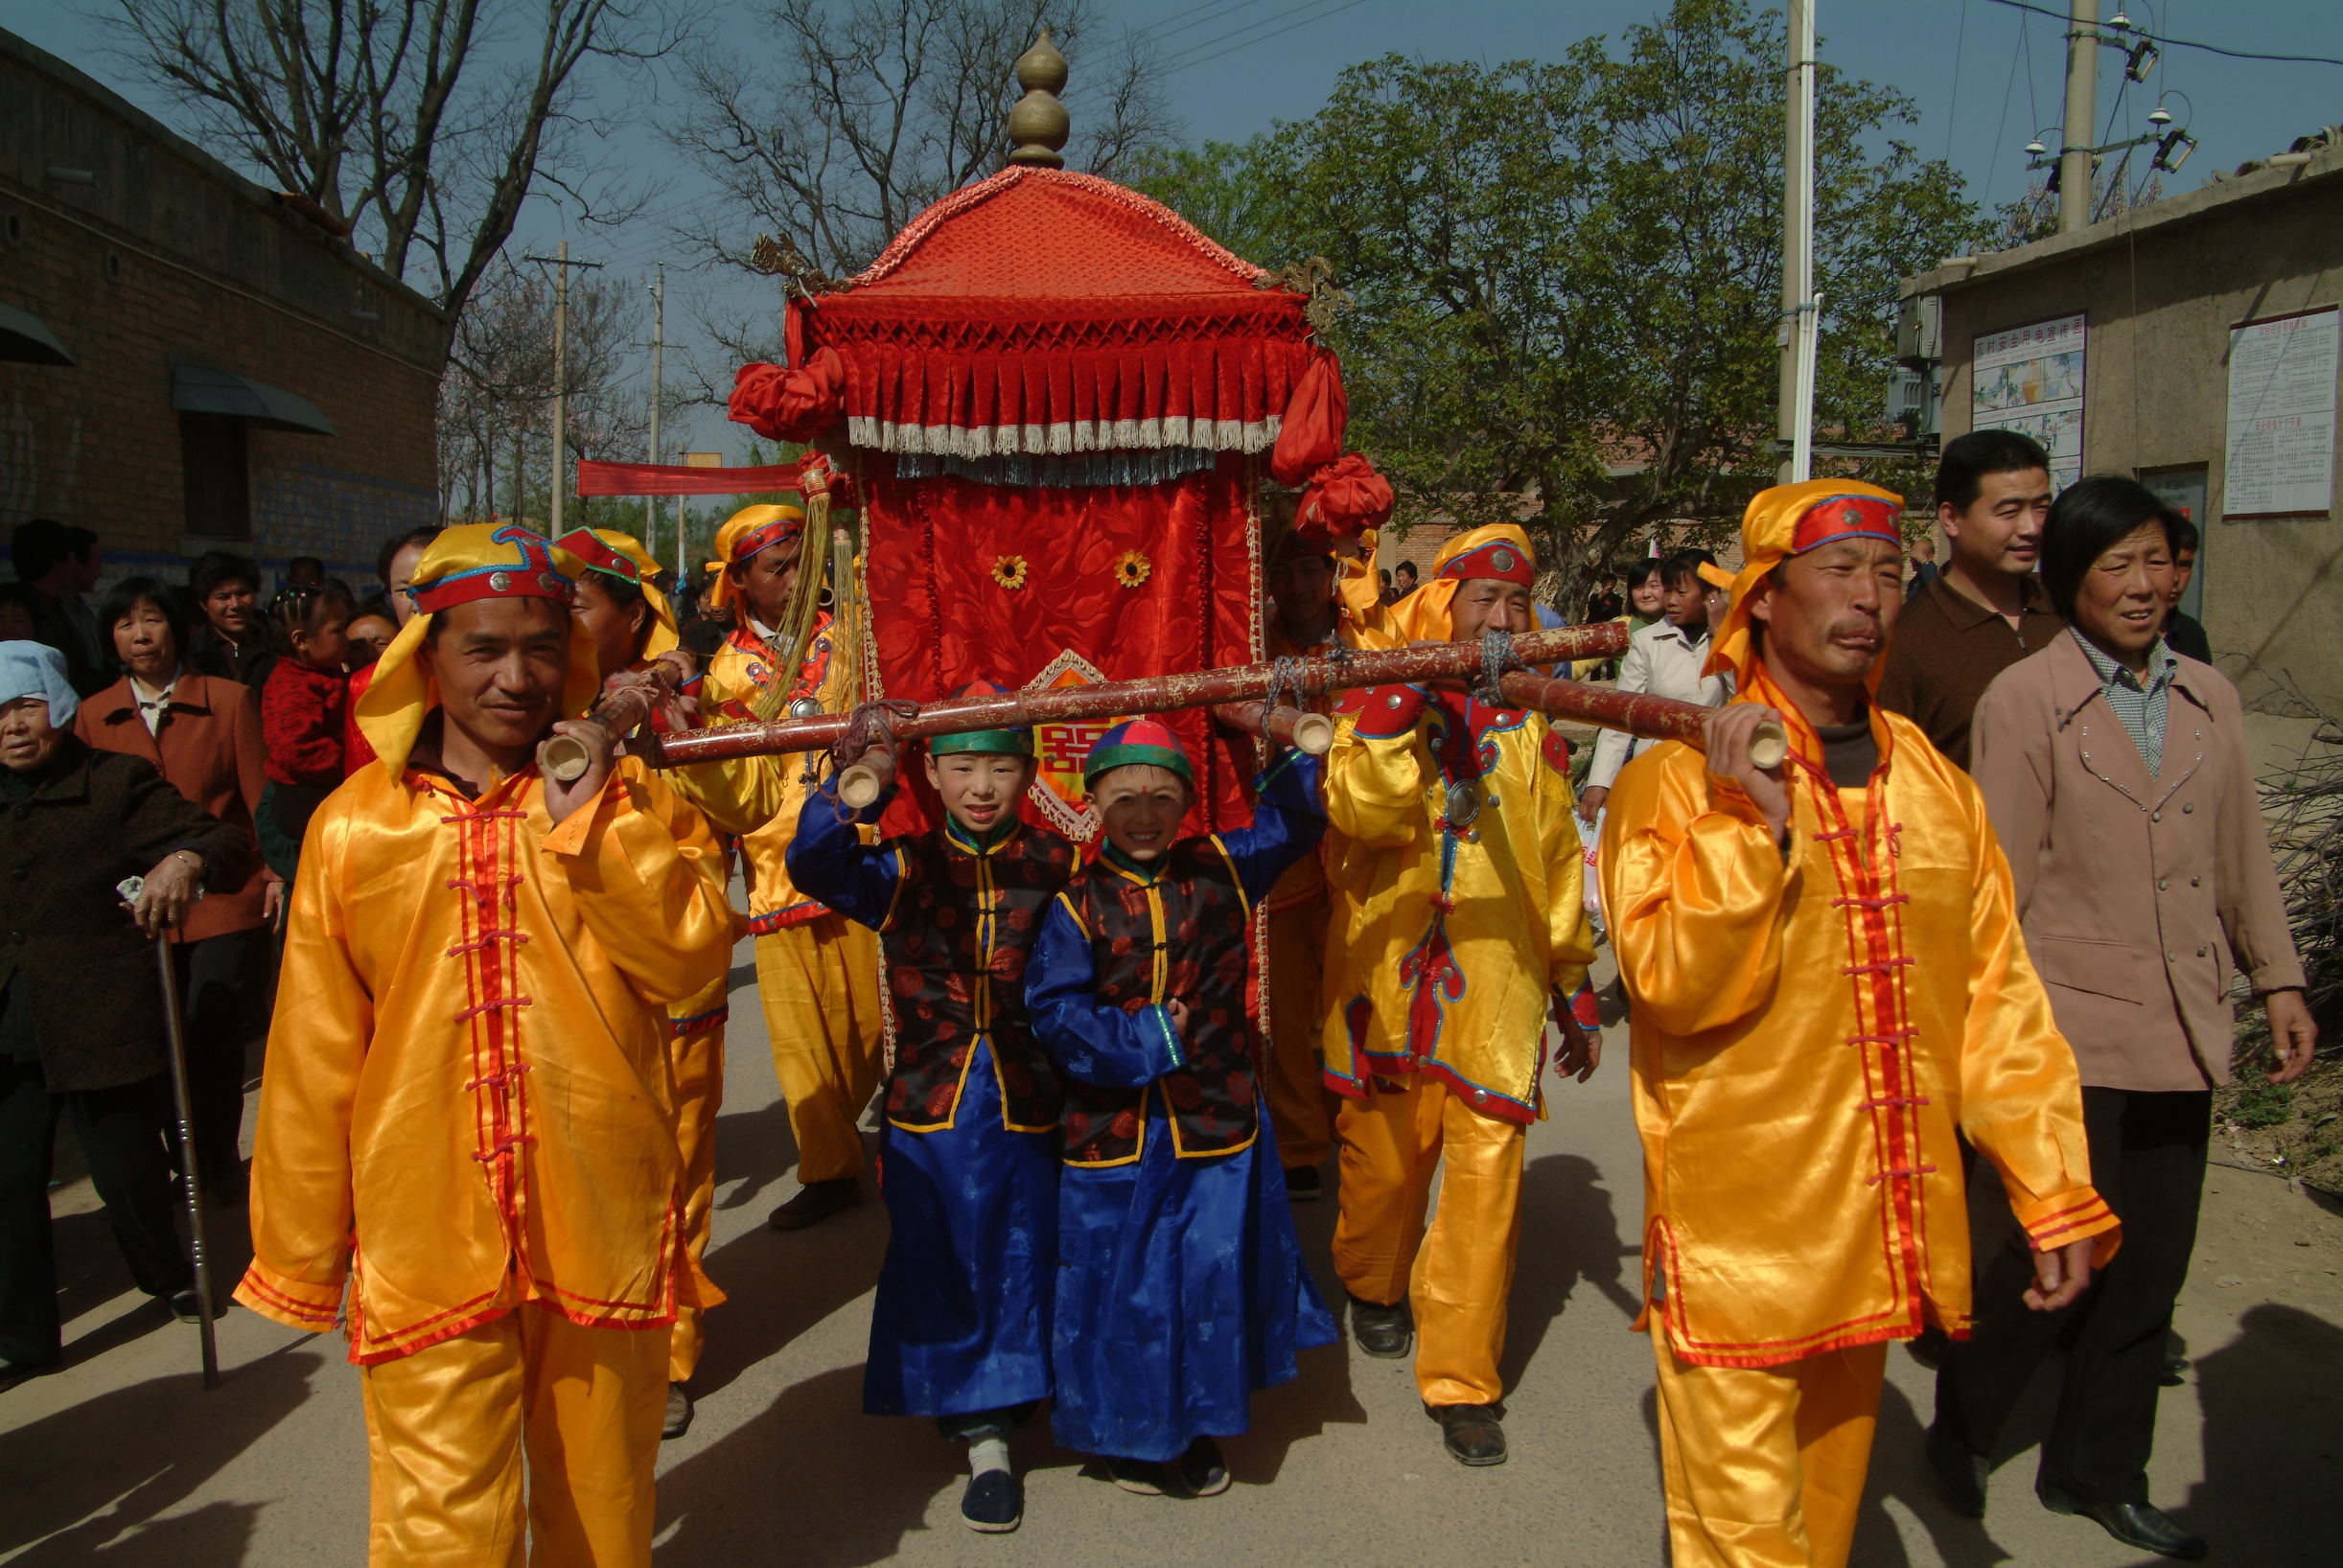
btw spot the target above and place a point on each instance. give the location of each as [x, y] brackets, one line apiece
[422, 125]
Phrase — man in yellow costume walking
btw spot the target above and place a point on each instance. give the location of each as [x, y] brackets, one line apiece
[1455, 868]
[466, 1142]
[1828, 981]
[633, 623]
[817, 971]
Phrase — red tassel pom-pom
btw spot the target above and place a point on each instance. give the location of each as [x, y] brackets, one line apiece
[798, 404]
[1344, 499]
[1309, 435]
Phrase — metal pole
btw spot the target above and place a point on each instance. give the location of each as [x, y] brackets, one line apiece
[1797, 308]
[658, 342]
[1802, 441]
[561, 378]
[175, 1035]
[2075, 157]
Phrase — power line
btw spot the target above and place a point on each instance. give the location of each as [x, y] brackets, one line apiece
[1190, 57]
[1953, 118]
[1209, 10]
[2188, 43]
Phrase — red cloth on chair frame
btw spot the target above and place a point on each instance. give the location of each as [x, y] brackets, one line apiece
[941, 620]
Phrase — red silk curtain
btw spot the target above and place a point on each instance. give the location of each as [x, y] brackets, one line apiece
[936, 550]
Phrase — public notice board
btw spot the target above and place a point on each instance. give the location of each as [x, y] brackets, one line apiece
[2281, 417]
[2030, 379]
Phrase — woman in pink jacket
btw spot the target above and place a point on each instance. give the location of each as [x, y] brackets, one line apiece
[2119, 780]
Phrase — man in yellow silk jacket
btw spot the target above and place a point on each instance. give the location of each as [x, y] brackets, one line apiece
[817, 972]
[1311, 612]
[1456, 868]
[466, 1142]
[633, 623]
[1827, 982]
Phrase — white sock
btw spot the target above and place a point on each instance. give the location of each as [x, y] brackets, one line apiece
[988, 1454]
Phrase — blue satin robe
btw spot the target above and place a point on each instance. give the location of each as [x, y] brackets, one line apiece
[1180, 1287]
[960, 1323]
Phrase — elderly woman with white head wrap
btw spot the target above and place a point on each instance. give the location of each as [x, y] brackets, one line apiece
[81, 1026]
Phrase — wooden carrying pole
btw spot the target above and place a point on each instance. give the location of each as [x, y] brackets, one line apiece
[1156, 694]
[1638, 713]
[621, 710]
[1294, 726]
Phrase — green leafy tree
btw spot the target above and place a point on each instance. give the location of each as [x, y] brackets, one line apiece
[1565, 276]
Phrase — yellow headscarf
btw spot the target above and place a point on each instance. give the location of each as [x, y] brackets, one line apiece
[1500, 549]
[1770, 532]
[473, 560]
[745, 533]
[621, 556]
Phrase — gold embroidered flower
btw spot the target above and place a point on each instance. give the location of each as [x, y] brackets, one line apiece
[1008, 570]
[1133, 569]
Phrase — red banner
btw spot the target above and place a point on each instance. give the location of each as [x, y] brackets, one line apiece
[674, 480]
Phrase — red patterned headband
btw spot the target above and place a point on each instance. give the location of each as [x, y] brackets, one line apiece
[1835, 518]
[1500, 558]
[531, 576]
[596, 556]
[780, 531]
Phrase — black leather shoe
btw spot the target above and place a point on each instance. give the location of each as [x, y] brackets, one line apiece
[994, 1503]
[2143, 1525]
[1471, 1433]
[1201, 1469]
[14, 1372]
[1928, 1346]
[677, 1420]
[1959, 1472]
[1382, 1331]
[1303, 1184]
[186, 1305]
[816, 1202]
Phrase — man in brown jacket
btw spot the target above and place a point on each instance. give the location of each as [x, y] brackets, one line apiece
[1985, 610]
[2118, 777]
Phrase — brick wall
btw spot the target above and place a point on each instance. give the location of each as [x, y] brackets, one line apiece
[164, 255]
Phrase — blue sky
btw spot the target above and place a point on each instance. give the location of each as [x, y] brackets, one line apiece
[1985, 78]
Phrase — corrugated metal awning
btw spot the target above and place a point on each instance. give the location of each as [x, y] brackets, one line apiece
[26, 337]
[200, 389]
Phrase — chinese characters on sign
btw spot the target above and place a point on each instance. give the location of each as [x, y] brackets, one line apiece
[2030, 379]
[2281, 417]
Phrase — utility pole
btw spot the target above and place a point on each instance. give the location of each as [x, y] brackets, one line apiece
[561, 263]
[1800, 311]
[2074, 152]
[659, 343]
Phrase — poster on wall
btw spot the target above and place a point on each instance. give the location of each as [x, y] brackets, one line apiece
[2281, 417]
[2030, 379]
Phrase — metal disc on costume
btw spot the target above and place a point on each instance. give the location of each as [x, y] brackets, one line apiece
[1502, 561]
[806, 707]
[1464, 803]
[498, 582]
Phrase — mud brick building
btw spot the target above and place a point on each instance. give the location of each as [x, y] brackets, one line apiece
[187, 361]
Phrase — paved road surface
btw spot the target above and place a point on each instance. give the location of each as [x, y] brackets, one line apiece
[123, 1460]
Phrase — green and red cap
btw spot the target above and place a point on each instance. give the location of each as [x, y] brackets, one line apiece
[1138, 742]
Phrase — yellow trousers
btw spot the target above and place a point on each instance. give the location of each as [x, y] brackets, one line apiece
[697, 1062]
[450, 1428]
[1460, 1273]
[1765, 1465]
[1300, 1107]
[818, 982]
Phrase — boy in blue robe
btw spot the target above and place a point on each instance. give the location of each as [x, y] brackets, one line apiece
[1181, 1288]
[959, 1329]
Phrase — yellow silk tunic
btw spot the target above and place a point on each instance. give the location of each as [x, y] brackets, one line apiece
[1447, 938]
[468, 1100]
[759, 798]
[1810, 1029]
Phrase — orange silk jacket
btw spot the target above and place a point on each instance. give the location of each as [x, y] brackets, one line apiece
[1810, 1029]
[467, 1104]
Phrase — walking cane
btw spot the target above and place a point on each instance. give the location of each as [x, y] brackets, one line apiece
[174, 1033]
